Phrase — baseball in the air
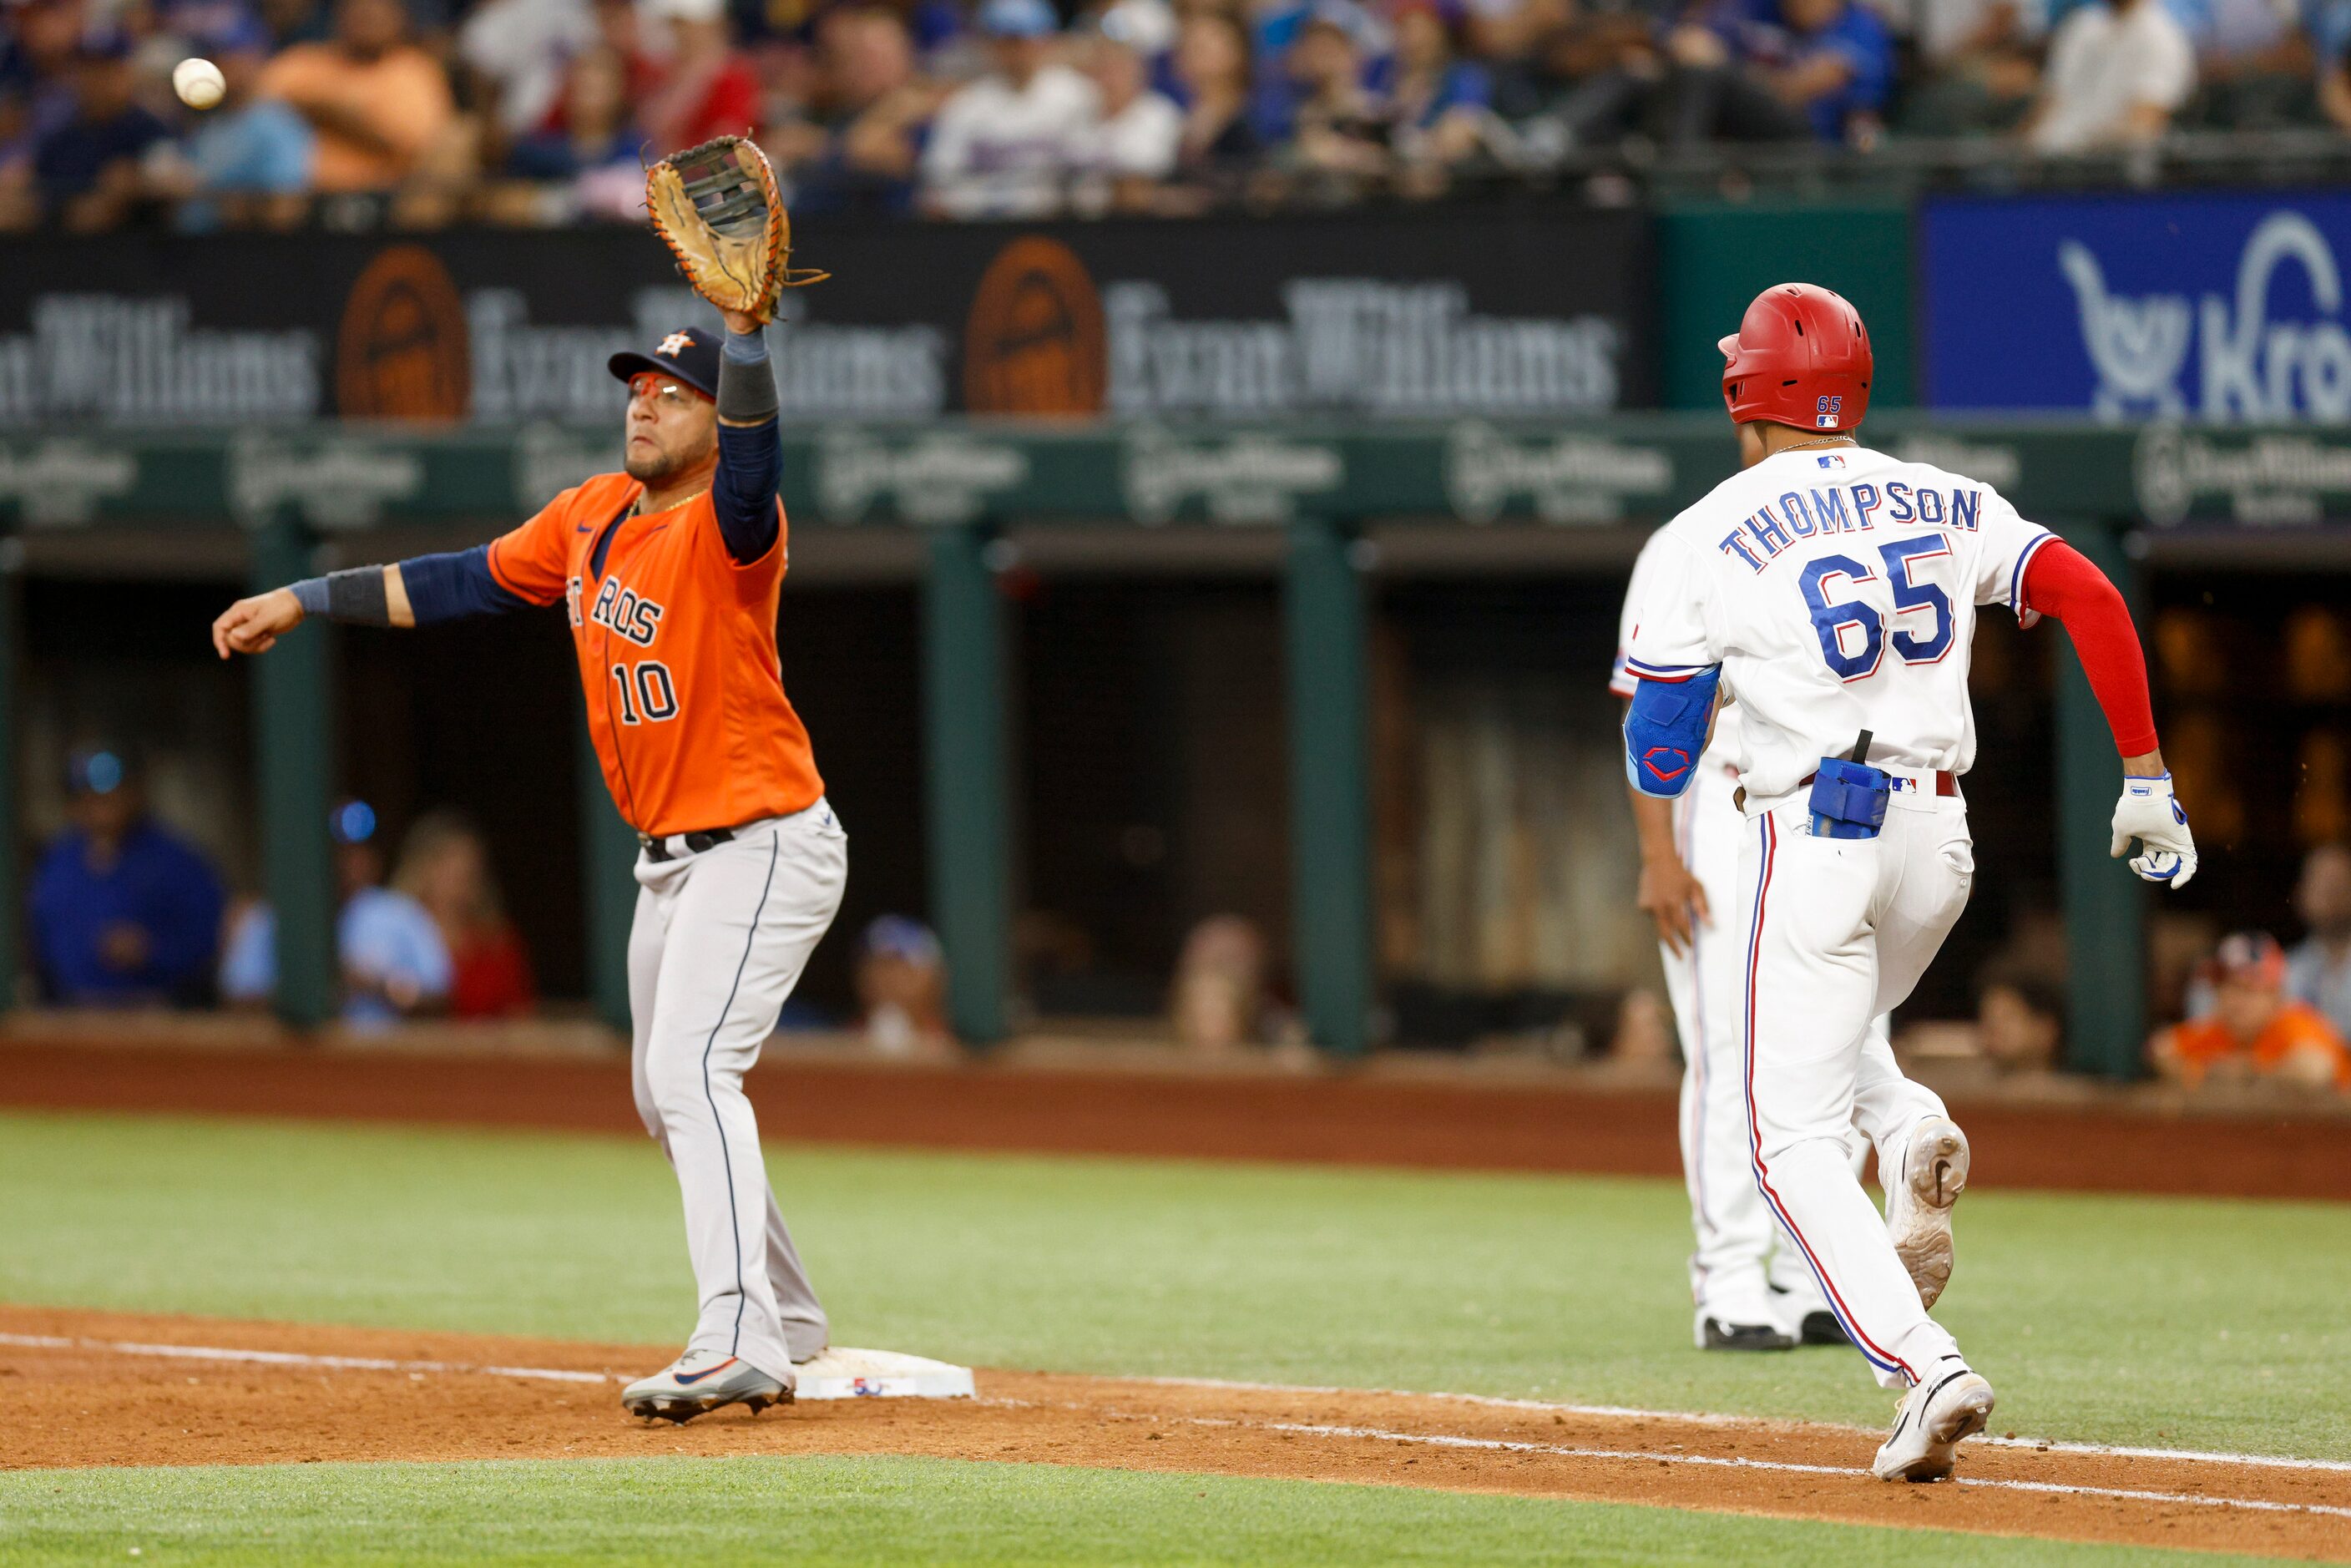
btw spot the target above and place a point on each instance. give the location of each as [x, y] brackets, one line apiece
[198, 82]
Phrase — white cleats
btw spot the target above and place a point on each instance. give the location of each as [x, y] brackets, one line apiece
[1918, 1201]
[1953, 1404]
[702, 1381]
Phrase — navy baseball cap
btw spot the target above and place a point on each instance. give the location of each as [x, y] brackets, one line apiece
[689, 354]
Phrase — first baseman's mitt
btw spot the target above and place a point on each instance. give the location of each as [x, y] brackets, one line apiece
[717, 208]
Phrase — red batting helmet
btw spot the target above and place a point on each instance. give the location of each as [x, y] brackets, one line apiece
[1801, 357]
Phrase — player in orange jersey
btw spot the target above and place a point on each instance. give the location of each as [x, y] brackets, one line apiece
[670, 572]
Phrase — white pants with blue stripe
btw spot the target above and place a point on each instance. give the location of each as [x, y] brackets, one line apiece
[719, 941]
[1837, 932]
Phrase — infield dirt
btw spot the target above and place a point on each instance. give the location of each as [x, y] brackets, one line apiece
[95, 1389]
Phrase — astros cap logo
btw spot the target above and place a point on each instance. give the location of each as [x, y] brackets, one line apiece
[674, 345]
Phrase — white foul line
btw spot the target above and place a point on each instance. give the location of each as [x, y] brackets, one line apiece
[1643, 1455]
[292, 1358]
[1786, 1466]
[1710, 1418]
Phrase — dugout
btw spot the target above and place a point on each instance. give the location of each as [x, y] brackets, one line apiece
[1016, 646]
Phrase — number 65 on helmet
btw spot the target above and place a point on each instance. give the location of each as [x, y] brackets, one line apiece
[1801, 357]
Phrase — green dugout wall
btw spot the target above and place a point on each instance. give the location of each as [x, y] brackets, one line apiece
[1324, 497]
[1713, 257]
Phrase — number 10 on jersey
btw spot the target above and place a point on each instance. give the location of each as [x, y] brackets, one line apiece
[647, 694]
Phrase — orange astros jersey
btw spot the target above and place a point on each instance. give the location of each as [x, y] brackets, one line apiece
[677, 651]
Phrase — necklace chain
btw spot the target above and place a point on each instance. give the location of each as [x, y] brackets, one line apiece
[637, 506]
[1818, 441]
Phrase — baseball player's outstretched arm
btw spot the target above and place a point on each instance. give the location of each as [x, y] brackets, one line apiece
[418, 592]
[750, 446]
[2065, 585]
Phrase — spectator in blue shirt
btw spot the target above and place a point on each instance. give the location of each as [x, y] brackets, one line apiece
[1339, 128]
[1835, 67]
[1440, 103]
[867, 137]
[1286, 60]
[248, 159]
[1713, 79]
[395, 964]
[122, 914]
[89, 168]
[1220, 143]
[36, 56]
[591, 145]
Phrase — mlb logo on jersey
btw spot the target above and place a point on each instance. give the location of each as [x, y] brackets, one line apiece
[1830, 460]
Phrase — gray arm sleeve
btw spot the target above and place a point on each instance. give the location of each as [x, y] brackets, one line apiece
[357, 596]
[746, 382]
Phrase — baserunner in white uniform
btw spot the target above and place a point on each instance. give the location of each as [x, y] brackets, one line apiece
[1834, 589]
[1749, 1287]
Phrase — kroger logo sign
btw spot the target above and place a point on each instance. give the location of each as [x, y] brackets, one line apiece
[2214, 307]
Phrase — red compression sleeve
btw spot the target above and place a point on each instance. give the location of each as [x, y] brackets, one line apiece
[2062, 583]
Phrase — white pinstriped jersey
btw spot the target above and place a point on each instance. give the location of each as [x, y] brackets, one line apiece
[1838, 587]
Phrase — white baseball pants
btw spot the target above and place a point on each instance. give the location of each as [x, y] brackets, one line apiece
[1734, 1230]
[1838, 931]
[1742, 1253]
[719, 941]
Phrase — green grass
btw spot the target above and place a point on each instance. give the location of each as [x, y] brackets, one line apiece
[891, 1511]
[2191, 1323]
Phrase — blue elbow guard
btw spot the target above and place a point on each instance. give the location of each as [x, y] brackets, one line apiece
[1665, 730]
[1848, 800]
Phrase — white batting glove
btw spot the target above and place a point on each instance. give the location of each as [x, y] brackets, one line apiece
[2149, 812]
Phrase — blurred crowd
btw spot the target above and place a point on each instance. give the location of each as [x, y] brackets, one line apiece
[2258, 1010]
[2251, 1009]
[123, 913]
[543, 112]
